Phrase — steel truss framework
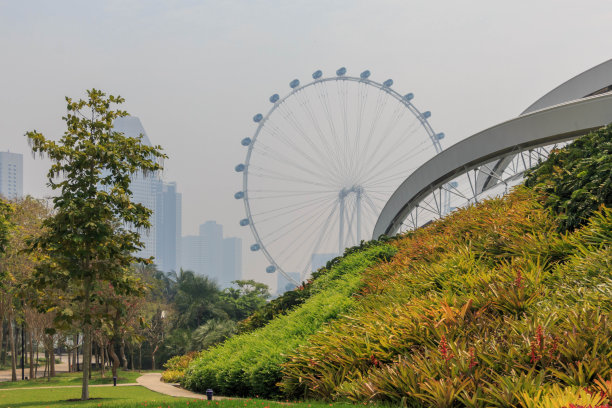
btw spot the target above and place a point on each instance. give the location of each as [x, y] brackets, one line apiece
[490, 162]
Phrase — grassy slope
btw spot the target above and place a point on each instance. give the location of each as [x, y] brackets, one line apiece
[249, 364]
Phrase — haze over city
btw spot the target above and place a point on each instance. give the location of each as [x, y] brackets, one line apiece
[195, 72]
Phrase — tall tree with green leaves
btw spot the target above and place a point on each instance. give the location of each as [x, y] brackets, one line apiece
[88, 243]
[6, 210]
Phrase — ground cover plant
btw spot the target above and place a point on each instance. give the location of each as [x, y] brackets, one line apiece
[249, 364]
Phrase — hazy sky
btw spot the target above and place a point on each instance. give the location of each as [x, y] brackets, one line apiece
[195, 72]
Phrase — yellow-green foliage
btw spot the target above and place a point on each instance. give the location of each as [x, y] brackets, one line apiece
[488, 307]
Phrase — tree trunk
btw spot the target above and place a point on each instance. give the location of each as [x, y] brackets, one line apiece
[13, 350]
[153, 356]
[113, 355]
[32, 374]
[123, 358]
[51, 358]
[140, 357]
[36, 369]
[86, 342]
[103, 356]
[2, 351]
[75, 351]
[131, 346]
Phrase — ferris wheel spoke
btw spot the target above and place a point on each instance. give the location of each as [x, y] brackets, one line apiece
[306, 107]
[381, 102]
[304, 236]
[324, 99]
[391, 165]
[289, 178]
[294, 194]
[417, 150]
[280, 135]
[292, 163]
[392, 147]
[293, 207]
[295, 223]
[292, 120]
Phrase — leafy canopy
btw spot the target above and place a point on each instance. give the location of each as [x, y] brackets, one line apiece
[87, 239]
[577, 179]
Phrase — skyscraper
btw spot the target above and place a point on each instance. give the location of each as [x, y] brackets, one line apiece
[168, 227]
[232, 261]
[211, 255]
[144, 187]
[11, 175]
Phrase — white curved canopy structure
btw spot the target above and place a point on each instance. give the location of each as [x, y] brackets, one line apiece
[494, 148]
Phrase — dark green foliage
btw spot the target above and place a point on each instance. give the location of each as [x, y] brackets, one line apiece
[5, 225]
[577, 179]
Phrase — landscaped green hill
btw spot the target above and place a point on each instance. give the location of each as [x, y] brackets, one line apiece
[506, 303]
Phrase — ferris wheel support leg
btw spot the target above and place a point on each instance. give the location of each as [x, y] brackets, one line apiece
[358, 217]
[341, 228]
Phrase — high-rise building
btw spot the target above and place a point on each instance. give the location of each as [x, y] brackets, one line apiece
[145, 187]
[168, 227]
[211, 255]
[11, 175]
[232, 261]
[211, 234]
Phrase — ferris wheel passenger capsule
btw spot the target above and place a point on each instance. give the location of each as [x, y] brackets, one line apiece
[317, 74]
[246, 141]
[255, 247]
[426, 114]
[239, 168]
[440, 136]
[341, 71]
[409, 96]
[365, 74]
[294, 84]
[257, 118]
[388, 83]
[244, 222]
[271, 269]
[239, 195]
[454, 184]
[274, 98]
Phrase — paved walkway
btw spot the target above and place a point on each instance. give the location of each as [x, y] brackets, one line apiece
[153, 382]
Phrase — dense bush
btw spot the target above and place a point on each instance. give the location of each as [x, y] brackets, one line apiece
[577, 179]
[489, 307]
[250, 364]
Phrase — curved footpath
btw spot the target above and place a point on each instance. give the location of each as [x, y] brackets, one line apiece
[152, 381]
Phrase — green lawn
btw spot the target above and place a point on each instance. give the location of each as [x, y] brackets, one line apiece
[134, 397]
[61, 379]
[130, 396]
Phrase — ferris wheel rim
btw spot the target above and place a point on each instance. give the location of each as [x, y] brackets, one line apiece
[261, 123]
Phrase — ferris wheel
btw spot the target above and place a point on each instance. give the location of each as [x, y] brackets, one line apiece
[322, 163]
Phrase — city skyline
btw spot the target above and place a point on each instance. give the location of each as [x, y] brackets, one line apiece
[196, 73]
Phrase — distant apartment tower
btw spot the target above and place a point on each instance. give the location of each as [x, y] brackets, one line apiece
[209, 254]
[168, 227]
[11, 175]
[232, 261]
[144, 187]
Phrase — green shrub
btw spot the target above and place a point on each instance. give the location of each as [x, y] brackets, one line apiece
[250, 364]
[577, 178]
